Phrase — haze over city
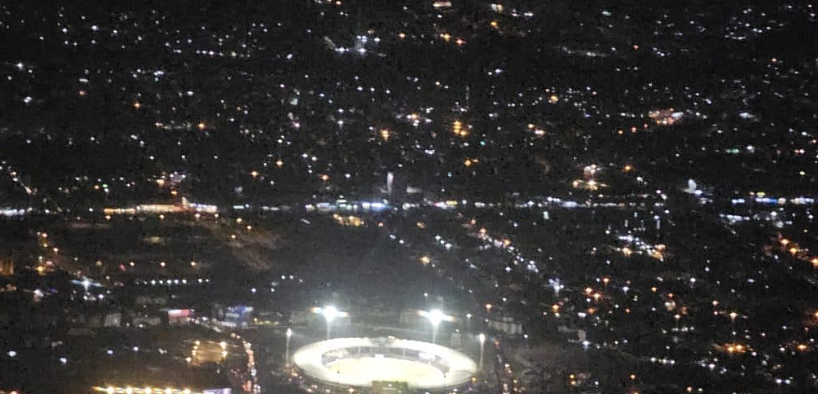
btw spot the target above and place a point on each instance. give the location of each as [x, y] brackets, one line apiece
[311, 196]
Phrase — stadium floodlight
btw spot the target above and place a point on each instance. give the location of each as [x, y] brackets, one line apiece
[435, 316]
[330, 313]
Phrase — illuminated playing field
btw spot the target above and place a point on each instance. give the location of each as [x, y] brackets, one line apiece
[358, 362]
[389, 369]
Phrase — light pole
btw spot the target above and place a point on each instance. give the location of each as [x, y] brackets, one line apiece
[287, 347]
[435, 316]
[482, 338]
[330, 313]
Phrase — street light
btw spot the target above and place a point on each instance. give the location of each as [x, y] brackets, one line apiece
[287, 347]
[482, 338]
